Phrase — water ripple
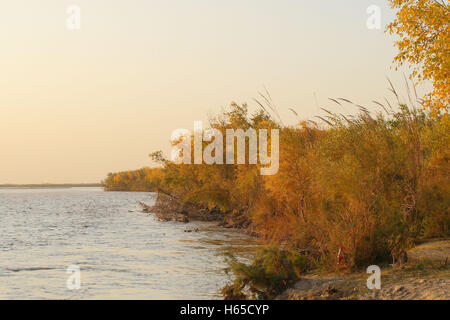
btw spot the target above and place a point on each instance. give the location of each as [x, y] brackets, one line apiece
[122, 253]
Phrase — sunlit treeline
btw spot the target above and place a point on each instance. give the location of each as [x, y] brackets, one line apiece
[145, 179]
[369, 185]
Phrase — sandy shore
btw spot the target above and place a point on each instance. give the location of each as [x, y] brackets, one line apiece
[426, 276]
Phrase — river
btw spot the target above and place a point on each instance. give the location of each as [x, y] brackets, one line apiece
[121, 252]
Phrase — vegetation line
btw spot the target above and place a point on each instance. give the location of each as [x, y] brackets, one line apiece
[352, 190]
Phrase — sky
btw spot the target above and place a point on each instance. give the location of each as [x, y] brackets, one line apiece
[77, 104]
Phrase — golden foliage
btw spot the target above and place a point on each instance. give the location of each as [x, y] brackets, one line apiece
[424, 41]
[367, 185]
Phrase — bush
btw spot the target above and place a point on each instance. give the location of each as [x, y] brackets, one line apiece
[271, 271]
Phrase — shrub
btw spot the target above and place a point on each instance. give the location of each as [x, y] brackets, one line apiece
[271, 271]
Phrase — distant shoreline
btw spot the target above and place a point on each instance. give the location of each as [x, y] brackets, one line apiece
[50, 185]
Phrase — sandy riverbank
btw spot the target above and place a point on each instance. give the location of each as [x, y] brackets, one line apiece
[426, 276]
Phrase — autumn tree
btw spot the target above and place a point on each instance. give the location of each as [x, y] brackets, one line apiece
[424, 42]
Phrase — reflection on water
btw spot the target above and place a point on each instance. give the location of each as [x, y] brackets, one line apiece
[122, 253]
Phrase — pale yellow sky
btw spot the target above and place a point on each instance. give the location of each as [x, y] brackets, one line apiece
[75, 105]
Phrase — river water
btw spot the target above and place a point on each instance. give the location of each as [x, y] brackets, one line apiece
[121, 253]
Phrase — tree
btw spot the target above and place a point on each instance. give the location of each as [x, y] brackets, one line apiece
[424, 42]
